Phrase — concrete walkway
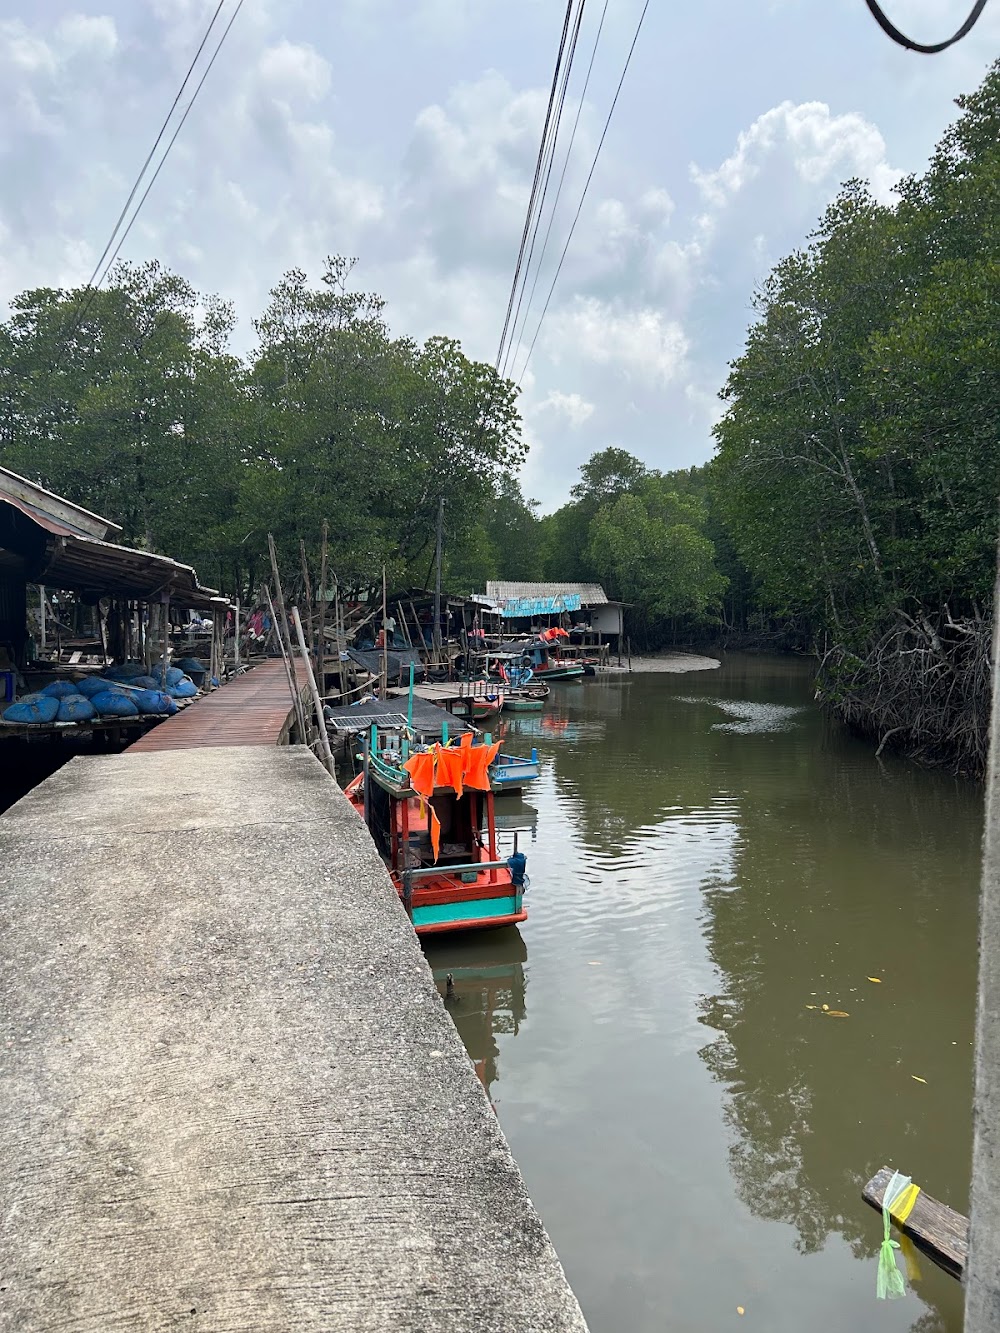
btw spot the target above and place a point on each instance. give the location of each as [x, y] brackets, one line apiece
[230, 1096]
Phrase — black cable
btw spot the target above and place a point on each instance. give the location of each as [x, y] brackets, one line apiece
[890, 29]
[88, 286]
[549, 163]
[562, 177]
[534, 185]
[180, 126]
[586, 187]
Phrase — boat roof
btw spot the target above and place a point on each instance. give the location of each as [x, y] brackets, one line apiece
[390, 715]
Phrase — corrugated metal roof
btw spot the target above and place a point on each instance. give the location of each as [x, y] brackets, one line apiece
[590, 594]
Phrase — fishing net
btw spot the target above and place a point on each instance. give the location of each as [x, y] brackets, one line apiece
[889, 1284]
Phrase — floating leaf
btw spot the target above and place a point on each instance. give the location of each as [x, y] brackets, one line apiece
[740, 1309]
[917, 1079]
[836, 1013]
[592, 962]
[826, 1008]
[877, 980]
[812, 1006]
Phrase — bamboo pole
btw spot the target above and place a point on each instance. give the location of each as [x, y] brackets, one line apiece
[300, 720]
[281, 625]
[307, 585]
[236, 636]
[324, 737]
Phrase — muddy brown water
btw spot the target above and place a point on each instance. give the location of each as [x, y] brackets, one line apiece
[709, 857]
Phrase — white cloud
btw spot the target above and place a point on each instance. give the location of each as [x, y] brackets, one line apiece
[291, 71]
[84, 34]
[641, 342]
[821, 148]
[572, 406]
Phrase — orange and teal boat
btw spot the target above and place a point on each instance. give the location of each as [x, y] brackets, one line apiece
[430, 812]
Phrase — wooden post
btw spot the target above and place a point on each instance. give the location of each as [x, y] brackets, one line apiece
[236, 635]
[293, 688]
[323, 551]
[982, 1289]
[165, 612]
[324, 738]
[41, 609]
[436, 635]
[384, 678]
[402, 621]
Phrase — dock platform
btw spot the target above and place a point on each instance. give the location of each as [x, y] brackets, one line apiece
[252, 709]
[229, 1091]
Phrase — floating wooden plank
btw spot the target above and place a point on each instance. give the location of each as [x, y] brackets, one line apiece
[937, 1230]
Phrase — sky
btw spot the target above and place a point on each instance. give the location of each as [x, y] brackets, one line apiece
[404, 132]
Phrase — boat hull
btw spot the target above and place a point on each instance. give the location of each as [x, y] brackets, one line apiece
[523, 705]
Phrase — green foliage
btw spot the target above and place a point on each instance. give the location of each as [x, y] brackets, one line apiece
[859, 459]
[128, 401]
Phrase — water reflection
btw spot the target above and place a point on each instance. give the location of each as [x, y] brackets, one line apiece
[708, 858]
[486, 996]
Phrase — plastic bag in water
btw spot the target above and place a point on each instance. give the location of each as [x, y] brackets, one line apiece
[889, 1284]
[76, 708]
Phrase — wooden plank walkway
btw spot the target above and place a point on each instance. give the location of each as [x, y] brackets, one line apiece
[255, 709]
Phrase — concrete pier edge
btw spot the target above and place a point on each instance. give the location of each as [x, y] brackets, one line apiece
[230, 1093]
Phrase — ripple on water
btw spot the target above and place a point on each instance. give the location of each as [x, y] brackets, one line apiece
[751, 718]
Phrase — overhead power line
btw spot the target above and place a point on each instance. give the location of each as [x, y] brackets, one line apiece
[532, 198]
[90, 290]
[890, 29]
[586, 187]
[173, 138]
[559, 186]
[550, 157]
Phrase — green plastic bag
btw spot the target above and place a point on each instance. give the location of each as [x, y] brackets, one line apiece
[889, 1284]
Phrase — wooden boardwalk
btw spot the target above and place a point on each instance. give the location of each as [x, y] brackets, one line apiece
[255, 709]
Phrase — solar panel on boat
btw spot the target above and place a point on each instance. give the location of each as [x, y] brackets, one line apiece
[361, 721]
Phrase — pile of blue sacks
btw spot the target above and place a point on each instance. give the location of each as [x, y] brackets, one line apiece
[103, 696]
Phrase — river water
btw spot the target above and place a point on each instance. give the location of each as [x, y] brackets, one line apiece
[708, 858]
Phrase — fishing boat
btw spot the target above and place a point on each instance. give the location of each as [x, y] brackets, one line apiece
[431, 815]
[509, 773]
[514, 701]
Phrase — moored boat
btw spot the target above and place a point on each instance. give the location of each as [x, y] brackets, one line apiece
[431, 815]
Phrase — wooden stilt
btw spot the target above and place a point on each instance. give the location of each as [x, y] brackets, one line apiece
[324, 738]
[300, 720]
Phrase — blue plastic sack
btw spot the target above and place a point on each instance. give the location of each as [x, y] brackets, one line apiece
[76, 708]
[125, 671]
[145, 682]
[114, 704]
[92, 685]
[60, 689]
[190, 664]
[174, 676]
[154, 701]
[184, 689]
[41, 708]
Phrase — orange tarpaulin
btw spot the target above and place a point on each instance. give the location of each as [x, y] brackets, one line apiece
[477, 762]
[421, 770]
[450, 768]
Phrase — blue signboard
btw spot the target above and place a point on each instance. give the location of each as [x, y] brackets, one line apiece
[540, 606]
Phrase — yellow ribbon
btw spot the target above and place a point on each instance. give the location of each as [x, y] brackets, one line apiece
[902, 1206]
